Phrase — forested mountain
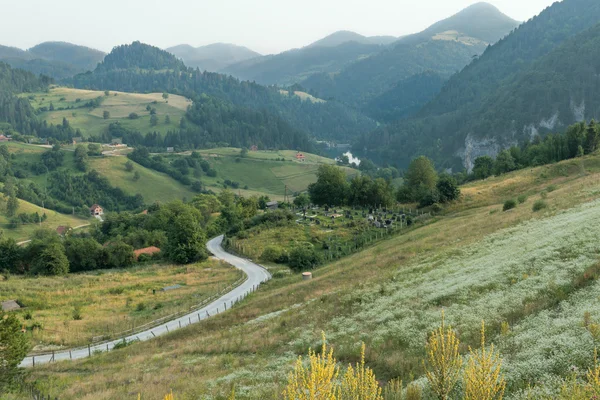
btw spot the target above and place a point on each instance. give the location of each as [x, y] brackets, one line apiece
[451, 128]
[321, 120]
[444, 48]
[481, 20]
[341, 37]
[213, 57]
[406, 97]
[295, 66]
[140, 56]
[55, 59]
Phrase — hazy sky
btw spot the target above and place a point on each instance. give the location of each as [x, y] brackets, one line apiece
[266, 26]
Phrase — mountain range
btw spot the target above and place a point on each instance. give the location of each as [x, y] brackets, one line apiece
[539, 79]
[55, 59]
[212, 57]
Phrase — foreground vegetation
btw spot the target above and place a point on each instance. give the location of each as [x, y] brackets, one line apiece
[89, 306]
[531, 278]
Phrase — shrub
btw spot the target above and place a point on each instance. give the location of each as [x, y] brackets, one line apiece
[544, 194]
[539, 205]
[140, 306]
[302, 258]
[522, 199]
[77, 313]
[509, 205]
[144, 258]
[272, 254]
[551, 188]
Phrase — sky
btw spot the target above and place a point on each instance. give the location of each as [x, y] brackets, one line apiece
[265, 26]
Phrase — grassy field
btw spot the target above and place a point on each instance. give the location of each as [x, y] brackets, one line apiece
[531, 270]
[262, 173]
[110, 301]
[118, 104]
[24, 231]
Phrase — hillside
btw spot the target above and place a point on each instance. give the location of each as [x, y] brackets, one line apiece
[71, 104]
[139, 56]
[23, 231]
[295, 66]
[444, 48]
[446, 119]
[341, 37]
[58, 60]
[527, 272]
[213, 57]
[320, 120]
[481, 20]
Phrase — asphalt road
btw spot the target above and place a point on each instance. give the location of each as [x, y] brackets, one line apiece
[256, 275]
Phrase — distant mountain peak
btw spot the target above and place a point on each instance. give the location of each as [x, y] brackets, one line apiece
[482, 21]
[212, 57]
[340, 37]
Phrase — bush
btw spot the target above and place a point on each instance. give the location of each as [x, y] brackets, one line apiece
[544, 194]
[551, 188]
[140, 306]
[303, 258]
[509, 205]
[77, 313]
[144, 258]
[522, 199]
[539, 205]
[275, 254]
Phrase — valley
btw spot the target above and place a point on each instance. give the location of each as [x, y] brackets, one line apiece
[403, 209]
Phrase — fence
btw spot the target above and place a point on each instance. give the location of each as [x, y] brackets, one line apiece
[154, 323]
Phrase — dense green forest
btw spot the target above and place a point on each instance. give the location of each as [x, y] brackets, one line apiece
[440, 128]
[364, 80]
[405, 98]
[321, 120]
[58, 60]
[139, 55]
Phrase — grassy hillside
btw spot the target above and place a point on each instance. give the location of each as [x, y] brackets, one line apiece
[111, 301]
[530, 270]
[261, 171]
[118, 104]
[24, 231]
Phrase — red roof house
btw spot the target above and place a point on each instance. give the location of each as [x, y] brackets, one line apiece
[146, 250]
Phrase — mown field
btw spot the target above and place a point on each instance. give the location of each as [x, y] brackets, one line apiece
[24, 231]
[110, 302]
[118, 104]
[266, 172]
[531, 272]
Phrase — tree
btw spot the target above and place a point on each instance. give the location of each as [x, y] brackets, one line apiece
[10, 255]
[153, 120]
[165, 96]
[94, 149]
[302, 200]
[136, 176]
[81, 158]
[196, 186]
[483, 167]
[447, 188]
[419, 182]
[244, 152]
[331, 187]
[107, 93]
[105, 114]
[84, 254]
[167, 120]
[133, 116]
[51, 261]
[504, 163]
[304, 258]
[591, 138]
[129, 166]
[119, 255]
[12, 206]
[14, 346]
[185, 237]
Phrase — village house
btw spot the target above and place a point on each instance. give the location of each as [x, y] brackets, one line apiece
[300, 157]
[254, 148]
[96, 210]
[4, 138]
[63, 230]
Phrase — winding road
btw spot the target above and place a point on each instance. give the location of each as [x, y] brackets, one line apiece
[255, 273]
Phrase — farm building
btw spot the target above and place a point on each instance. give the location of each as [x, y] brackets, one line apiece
[4, 138]
[63, 230]
[300, 157]
[272, 205]
[96, 210]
